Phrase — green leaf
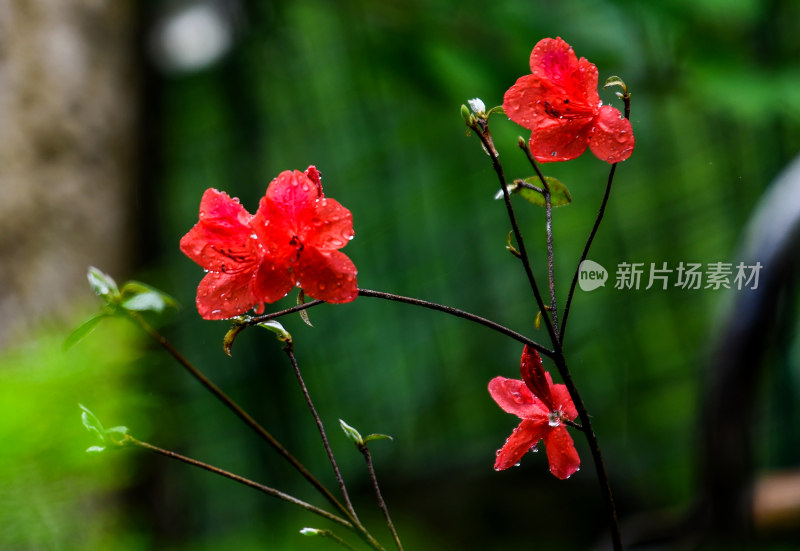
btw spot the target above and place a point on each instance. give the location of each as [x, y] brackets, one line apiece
[616, 81]
[230, 337]
[372, 437]
[83, 330]
[351, 433]
[102, 284]
[141, 297]
[301, 299]
[115, 436]
[559, 194]
[91, 422]
[282, 334]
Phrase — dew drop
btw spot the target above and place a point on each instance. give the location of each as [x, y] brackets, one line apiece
[321, 286]
[553, 153]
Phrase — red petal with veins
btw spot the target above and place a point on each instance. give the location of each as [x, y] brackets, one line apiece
[612, 139]
[220, 241]
[514, 397]
[527, 434]
[561, 452]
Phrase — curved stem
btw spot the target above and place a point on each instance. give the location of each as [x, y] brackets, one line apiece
[586, 248]
[237, 410]
[255, 320]
[240, 479]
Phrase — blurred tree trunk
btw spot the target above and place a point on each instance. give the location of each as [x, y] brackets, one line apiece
[67, 152]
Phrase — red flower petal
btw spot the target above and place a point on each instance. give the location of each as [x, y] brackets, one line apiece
[562, 400]
[314, 175]
[222, 296]
[534, 376]
[612, 137]
[328, 276]
[560, 139]
[528, 433]
[330, 227]
[273, 280]
[564, 77]
[289, 201]
[514, 397]
[522, 102]
[561, 452]
[221, 240]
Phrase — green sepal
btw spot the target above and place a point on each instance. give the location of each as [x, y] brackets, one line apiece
[559, 194]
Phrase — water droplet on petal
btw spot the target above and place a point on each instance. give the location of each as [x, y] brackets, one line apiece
[553, 153]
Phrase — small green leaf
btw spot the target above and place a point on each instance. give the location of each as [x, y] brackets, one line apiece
[141, 297]
[559, 194]
[616, 81]
[230, 337]
[80, 332]
[372, 437]
[282, 334]
[301, 299]
[351, 433]
[511, 248]
[114, 436]
[102, 284]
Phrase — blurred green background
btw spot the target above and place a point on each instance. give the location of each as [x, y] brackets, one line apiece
[369, 92]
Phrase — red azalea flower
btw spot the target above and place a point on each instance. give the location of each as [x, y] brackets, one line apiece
[292, 240]
[543, 408]
[560, 104]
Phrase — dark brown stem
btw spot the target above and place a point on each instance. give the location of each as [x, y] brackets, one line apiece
[255, 320]
[293, 360]
[586, 248]
[381, 503]
[594, 447]
[240, 479]
[237, 410]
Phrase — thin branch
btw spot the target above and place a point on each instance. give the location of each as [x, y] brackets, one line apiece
[293, 360]
[237, 410]
[586, 248]
[381, 503]
[240, 479]
[254, 320]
